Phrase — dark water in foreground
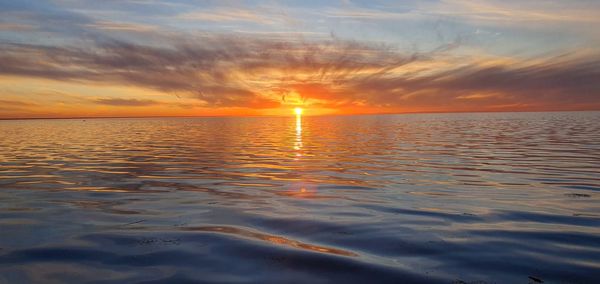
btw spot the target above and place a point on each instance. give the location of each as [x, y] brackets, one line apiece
[436, 198]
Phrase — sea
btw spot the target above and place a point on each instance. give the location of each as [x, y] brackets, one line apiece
[408, 198]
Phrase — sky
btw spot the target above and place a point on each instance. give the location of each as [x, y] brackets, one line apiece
[89, 58]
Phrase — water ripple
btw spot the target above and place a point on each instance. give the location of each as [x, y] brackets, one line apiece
[439, 198]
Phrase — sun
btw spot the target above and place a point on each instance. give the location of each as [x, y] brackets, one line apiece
[298, 111]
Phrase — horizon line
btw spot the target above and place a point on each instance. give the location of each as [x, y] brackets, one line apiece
[292, 115]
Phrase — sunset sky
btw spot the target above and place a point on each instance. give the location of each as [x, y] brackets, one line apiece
[88, 58]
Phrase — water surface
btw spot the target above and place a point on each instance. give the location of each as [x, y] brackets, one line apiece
[440, 198]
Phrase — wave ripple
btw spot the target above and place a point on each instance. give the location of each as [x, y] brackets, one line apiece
[438, 198]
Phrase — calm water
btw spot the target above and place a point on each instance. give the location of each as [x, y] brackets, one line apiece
[498, 198]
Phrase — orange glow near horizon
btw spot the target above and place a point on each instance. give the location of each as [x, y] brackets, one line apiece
[298, 111]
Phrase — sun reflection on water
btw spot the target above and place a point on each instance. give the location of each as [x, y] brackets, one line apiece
[298, 140]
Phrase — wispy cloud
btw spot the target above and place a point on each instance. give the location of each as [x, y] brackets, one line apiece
[17, 104]
[371, 14]
[520, 12]
[114, 26]
[15, 27]
[256, 73]
[126, 102]
[228, 15]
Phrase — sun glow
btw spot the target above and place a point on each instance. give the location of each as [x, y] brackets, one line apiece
[298, 111]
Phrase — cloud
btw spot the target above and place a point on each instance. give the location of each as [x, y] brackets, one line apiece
[15, 27]
[228, 15]
[369, 14]
[126, 102]
[258, 72]
[519, 12]
[555, 83]
[13, 105]
[219, 70]
[114, 26]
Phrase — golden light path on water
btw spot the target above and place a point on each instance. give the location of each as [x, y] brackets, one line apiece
[298, 142]
[298, 149]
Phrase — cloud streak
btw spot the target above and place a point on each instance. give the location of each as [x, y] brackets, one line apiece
[251, 72]
[227, 15]
[126, 102]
